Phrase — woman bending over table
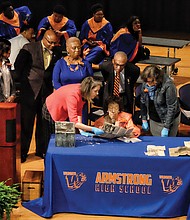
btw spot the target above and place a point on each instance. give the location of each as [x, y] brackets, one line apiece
[66, 103]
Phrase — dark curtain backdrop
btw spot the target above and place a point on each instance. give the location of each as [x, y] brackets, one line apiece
[155, 15]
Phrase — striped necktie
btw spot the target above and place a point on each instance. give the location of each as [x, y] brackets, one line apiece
[116, 85]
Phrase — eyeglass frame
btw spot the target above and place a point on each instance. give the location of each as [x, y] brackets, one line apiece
[49, 42]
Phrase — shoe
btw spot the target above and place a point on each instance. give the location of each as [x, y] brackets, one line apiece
[23, 158]
[40, 155]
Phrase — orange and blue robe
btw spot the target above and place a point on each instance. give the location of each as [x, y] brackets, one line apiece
[10, 28]
[65, 25]
[126, 42]
[101, 33]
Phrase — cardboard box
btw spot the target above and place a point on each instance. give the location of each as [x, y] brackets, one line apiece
[32, 185]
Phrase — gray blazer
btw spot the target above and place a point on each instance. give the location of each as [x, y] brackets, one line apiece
[12, 89]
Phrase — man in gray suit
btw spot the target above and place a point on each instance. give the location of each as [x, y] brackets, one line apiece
[34, 65]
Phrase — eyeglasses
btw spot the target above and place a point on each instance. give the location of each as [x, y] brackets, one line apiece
[113, 109]
[76, 48]
[50, 42]
[118, 64]
[151, 82]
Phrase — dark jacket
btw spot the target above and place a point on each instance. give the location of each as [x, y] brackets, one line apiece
[165, 101]
[131, 73]
[29, 66]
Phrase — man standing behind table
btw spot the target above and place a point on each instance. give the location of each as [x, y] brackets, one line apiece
[11, 20]
[127, 76]
[34, 66]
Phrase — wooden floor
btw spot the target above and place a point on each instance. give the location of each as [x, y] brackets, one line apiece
[35, 163]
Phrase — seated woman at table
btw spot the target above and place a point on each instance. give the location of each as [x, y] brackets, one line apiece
[67, 103]
[7, 86]
[115, 115]
[159, 101]
[72, 68]
[129, 40]
[95, 35]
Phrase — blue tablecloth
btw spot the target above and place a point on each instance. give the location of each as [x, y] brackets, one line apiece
[115, 178]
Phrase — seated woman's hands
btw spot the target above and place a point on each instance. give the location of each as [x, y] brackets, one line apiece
[136, 132]
[92, 43]
[86, 52]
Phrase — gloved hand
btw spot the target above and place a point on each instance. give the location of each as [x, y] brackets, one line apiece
[87, 134]
[145, 126]
[97, 131]
[164, 132]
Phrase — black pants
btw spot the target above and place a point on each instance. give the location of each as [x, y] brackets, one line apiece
[48, 126]
[133, 73]
[28, 114]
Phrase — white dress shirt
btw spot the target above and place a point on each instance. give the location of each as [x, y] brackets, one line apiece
[17, 44]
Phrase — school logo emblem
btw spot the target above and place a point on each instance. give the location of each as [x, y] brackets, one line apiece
[170, 184]
[74, 180]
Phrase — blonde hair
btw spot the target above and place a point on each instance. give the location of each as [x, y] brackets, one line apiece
[87, 85]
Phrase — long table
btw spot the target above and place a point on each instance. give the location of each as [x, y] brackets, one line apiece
[115, 178]
[165, 42]
[157, 60]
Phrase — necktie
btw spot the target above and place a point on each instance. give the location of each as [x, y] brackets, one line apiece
[116, 85]
[47, 58]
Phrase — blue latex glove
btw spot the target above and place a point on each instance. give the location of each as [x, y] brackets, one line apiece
[97, 131]
[164, 132]
[145, 126]
[87, 134]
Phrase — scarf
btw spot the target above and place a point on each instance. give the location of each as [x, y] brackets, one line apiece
[151, 91]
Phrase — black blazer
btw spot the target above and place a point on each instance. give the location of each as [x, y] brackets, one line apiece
[131, 73]
[29, 67]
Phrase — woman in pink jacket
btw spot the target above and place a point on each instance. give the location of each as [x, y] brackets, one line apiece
[66, 103]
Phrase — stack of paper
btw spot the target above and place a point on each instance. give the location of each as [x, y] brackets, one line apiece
[153, 150]
[128, 140]
[181, 150]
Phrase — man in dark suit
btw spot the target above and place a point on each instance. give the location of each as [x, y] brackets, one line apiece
[128, 74]
[34, 66]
